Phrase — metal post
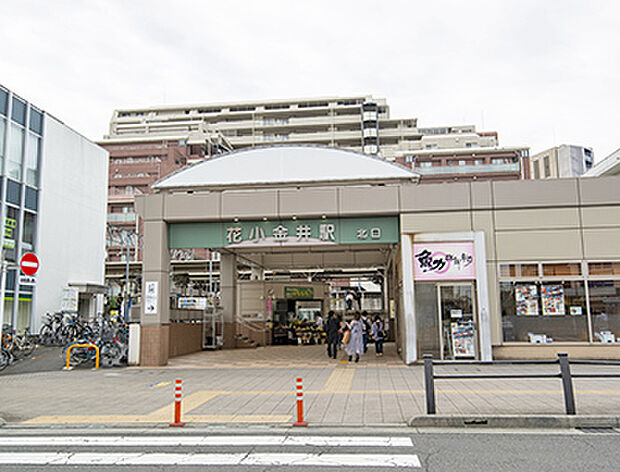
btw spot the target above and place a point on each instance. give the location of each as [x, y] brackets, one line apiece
[567, 383]
[2, 286]
[429, 384]
[126, 317]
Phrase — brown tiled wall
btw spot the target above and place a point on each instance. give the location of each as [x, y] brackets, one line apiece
[528, 351]
[185, 338]
[154, 345]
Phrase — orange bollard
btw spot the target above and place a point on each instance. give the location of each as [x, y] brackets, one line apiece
[178, 395]
[300, 404]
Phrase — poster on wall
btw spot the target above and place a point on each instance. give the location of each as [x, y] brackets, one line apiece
[150, 298]
[526, 298]
[553, 299]
[463, 344]
[444, 261]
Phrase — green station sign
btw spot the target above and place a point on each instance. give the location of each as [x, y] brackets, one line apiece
[308, 232]
[299, 292]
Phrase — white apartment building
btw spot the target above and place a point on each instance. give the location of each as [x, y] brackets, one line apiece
[359, 123]
[561, 162]
[53, 197]
[608, 166]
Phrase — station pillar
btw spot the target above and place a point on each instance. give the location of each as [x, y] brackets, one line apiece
[228, 294]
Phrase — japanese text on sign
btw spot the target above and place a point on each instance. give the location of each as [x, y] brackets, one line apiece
[443, 261]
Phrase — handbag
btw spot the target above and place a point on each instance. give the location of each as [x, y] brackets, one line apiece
[346, 337]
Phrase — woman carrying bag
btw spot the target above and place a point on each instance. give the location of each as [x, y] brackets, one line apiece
[356, 341]
[378, 334]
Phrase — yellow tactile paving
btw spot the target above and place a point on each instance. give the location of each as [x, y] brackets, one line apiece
[189, 403]
[339, 381]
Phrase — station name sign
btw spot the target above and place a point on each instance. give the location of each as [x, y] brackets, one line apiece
[308, 232]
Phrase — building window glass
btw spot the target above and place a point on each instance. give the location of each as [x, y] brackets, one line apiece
[2, 138]
[36, 121]
[15, 152]
[18, 113]
[518, 270]
[547, 166]
[605, 309]
[11, 232]
[13, 192]
[30, 202]
[604, 268]
[537, 169]
[544, 312]
[4, 101]
[32, 159]
[29, 228]
[551, 270]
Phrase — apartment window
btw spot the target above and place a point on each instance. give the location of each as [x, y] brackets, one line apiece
[468, 145]
[18, 113]
[4, 101]
[537, 169]
[277, 107]
[32, 159]
[478, 162]
[497, 160]
[425, 164]
[36, 121]
[2, 134]
[462, 162]
[15, 152]
[547, 166]
[30, 200]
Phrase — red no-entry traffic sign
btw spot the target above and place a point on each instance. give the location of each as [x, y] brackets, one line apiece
[29, 263]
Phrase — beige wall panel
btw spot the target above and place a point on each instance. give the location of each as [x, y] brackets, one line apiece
[308, 201]
[601, 216]
[436, 222]
[157, 255]
[483, 221]
[368, 200]
[152, 207]
[600, 190]
[602, 243]
[445, 196]
[481, 195]
[255, 204]
[535, 193]
[370, 258]
[538, 245]
[494, 305]
[277, 260]
[180, 207]
[542, 218]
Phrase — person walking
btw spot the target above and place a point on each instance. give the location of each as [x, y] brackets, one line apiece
[356, 341]
[332, 328]
[367, 328]
[378, 334]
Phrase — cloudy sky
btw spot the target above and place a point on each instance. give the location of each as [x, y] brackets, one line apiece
[541, 72]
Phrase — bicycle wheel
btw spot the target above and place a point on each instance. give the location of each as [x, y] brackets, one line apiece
[4, 359]
[27, 346]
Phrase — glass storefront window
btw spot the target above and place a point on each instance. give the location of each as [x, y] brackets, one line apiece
[605, 309]
[544, 312]
[566, 269]
[32, 159]
[15, 152]
[518, 270]
[23, 312]
[427, 319]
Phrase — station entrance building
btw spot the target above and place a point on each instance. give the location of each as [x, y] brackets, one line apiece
[476, 270]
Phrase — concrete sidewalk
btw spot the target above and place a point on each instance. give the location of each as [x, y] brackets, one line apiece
[257, 386]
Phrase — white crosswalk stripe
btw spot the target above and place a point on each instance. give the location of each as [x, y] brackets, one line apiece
[105, 451]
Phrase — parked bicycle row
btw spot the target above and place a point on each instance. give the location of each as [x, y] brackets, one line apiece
[109, 333]
[15, 346]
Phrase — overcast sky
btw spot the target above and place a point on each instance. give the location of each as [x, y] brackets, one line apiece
[541, 72]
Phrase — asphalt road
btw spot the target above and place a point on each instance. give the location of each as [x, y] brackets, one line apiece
[308, 450]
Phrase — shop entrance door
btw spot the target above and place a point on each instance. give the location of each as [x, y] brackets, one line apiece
[457, 321]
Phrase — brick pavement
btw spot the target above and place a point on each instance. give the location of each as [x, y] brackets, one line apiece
[256, 386]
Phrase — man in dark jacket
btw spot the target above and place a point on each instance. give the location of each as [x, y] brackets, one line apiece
[331, 329]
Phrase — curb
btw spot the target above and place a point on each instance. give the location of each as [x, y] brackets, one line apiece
[514, 421]
[2, 422]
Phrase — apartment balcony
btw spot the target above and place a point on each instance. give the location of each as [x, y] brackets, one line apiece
[121, 217]
[462, 170]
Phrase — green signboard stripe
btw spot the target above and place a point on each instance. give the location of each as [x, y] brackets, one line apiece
[285, 232]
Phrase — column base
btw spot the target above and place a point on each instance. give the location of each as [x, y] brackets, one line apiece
[154, 345]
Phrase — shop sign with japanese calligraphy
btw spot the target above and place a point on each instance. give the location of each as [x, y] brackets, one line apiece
[444, 261]
[285, 233]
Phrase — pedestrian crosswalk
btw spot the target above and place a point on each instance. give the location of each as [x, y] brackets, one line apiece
[181, 450]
